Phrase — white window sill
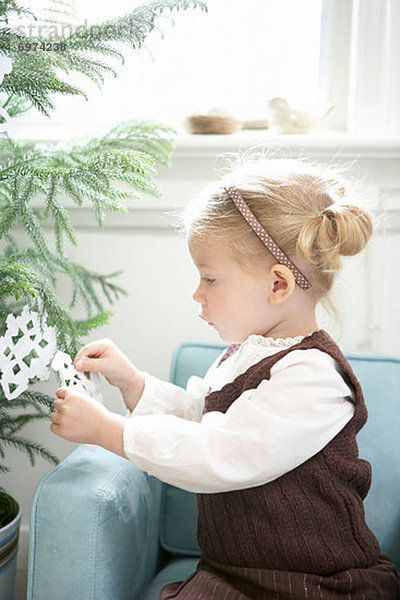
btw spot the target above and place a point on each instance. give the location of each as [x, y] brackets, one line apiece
[322, 143]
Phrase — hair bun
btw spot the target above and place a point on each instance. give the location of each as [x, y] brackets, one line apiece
[354, 228]
[337, 230]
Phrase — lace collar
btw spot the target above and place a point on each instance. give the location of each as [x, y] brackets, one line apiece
[270, 342]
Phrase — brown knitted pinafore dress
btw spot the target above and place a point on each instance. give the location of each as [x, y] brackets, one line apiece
[301, 536]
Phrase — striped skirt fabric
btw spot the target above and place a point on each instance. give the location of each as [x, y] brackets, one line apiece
[224, 582]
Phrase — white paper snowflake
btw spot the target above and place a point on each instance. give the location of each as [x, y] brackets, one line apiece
[26, 349]
[71, 378]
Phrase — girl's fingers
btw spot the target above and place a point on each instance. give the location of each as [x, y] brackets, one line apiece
[88, 364]
[59, 403]
[54, 417]
[81, 363]
[55, 428]
[93, 350]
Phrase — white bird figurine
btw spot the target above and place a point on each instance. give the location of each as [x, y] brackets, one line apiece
[293, 120]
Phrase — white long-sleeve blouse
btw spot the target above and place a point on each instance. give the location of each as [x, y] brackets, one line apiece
[266, 432]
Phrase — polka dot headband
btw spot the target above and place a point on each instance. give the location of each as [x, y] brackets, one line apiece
[266, 239]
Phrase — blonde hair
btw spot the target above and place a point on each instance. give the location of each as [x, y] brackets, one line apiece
[305, 208]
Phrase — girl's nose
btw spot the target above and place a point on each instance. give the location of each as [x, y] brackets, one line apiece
[197, 296]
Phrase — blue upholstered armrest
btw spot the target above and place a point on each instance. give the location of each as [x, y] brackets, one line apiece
[105, 545]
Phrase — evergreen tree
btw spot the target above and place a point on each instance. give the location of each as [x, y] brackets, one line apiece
[93, 172]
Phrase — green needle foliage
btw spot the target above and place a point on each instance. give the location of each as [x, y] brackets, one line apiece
[36, 179]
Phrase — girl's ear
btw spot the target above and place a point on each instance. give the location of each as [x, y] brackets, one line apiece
[282, 283]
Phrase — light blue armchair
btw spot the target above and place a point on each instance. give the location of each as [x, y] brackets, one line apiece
[101, 529]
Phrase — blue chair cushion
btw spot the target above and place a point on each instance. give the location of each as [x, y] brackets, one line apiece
[379, 444]
[193, 359]
[178, 527]
[176, 570]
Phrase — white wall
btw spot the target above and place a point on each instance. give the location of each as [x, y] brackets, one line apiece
[159, 312]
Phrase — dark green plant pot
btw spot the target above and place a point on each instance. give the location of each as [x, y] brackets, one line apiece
[10, 519]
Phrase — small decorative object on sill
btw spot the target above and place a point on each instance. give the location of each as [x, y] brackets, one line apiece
[287, 119]
[214, 121]
[255, 124]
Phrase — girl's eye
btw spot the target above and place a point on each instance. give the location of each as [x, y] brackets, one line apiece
[208, 281]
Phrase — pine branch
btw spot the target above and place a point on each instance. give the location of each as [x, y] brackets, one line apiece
[33, 449]
[34, 76]
[57, 9]
[34, 398]
[130, 29]
[83, 173]
[19, 421]
[14, 281]
[8, 7]
[15, 106]
[86, 326]
[34, 80]
[150, 137]
[51, 266]
[62, 222]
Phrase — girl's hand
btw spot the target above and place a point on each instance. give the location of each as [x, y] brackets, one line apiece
[79, 418]
[106, 358]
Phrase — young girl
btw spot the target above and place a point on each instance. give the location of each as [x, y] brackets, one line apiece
[267, 439]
